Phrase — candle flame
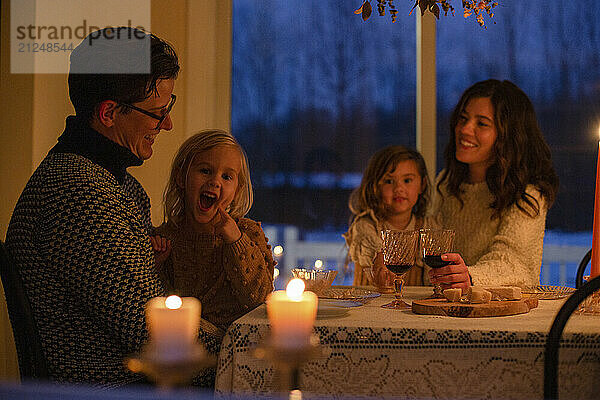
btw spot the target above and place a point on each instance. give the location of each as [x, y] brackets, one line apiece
[173, 302]
[294, 289]
[295, 395]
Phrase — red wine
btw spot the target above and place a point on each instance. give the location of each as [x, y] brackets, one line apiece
[435, 261]
[399, 269]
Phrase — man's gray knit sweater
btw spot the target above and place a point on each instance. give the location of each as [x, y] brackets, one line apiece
[79, 238]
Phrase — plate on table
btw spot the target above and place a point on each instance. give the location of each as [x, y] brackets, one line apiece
[350, 293]
[547, 292]
[335, 308]
[339, 303]
[327, 308]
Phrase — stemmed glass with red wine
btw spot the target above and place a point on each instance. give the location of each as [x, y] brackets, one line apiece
[434, 243]
[399, 253]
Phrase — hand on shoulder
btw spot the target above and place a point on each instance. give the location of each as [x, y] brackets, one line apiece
[162, 248]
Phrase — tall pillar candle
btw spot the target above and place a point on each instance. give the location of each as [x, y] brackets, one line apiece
[595, 267]
[173, 324]
[292, 314]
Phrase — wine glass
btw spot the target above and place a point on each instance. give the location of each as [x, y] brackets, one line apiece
[434, 243]
[399, 252]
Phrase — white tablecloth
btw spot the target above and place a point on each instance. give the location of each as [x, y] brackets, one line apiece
[378, 352]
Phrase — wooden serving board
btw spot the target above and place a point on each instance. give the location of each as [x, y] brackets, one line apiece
[465, 310]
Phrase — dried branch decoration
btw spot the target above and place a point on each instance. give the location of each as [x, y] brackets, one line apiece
[477, 7]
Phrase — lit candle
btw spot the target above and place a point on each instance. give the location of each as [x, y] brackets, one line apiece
[595, 267]
[173, 324]
[292, 314]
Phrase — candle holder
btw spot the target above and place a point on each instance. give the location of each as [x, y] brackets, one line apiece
[288, 361]
[591, 305]
[170, 372]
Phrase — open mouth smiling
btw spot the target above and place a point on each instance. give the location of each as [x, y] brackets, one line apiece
[467, 144]
[207, 200]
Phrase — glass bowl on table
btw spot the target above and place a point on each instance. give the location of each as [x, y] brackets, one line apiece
[382, 286]
[433, 243]
[399, 253]
[316, 281]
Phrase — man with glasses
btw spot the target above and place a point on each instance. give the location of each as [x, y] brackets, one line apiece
[79, 234]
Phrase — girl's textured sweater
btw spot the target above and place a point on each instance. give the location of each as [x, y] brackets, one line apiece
[229, 279]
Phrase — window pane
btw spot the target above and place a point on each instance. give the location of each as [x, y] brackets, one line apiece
[316, 91]
[551, 51]
[553, 55]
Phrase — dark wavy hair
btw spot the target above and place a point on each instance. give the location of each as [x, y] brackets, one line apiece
[521, 155]
[367, 195]
[89, 85]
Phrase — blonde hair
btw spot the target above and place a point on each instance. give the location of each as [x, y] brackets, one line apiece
[367, 195]
[174, 196]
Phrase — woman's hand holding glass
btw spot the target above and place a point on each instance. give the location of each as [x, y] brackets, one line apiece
[453, 275]
[433, 244]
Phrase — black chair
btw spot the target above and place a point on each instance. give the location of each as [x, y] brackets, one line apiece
[32, 362]
[581, 269]
[553, 341]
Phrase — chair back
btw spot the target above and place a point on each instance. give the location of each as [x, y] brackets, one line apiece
[556, 330]
[32, 362]
[581, 269]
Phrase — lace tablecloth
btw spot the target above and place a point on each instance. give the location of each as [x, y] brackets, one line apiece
[377, 352]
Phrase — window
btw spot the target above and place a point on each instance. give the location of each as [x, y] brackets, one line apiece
[553, 55]
[316, 91]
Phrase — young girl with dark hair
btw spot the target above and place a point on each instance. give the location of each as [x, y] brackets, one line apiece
[393, 194]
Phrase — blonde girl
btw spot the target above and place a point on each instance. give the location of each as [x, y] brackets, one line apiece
[206, 248]
[393, 194]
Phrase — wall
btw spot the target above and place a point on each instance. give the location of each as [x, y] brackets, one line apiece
[15, 165]
[35, 106]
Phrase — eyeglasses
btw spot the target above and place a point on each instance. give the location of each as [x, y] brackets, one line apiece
[160, 118]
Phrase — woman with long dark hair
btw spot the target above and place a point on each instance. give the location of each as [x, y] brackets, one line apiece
[495, 190]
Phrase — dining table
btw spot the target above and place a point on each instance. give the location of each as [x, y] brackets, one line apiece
[370, 351]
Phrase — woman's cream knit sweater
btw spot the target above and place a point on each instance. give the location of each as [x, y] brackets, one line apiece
[504, 251]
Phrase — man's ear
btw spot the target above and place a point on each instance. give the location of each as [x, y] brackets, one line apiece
[107, 111]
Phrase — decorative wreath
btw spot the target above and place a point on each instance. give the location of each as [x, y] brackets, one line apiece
[477, 7]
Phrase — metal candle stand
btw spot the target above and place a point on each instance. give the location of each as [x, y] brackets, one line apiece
[288, 361]
[167, 373]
